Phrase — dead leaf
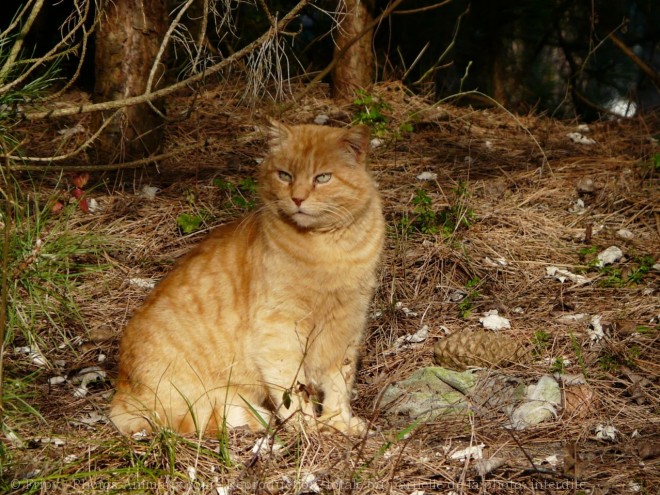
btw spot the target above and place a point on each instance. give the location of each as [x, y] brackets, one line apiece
[650, 449]
[625, 327]
[80, 180]
[637, 389]
[101, 333]
[578, 401]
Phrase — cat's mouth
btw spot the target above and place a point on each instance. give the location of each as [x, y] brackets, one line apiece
[303, 218]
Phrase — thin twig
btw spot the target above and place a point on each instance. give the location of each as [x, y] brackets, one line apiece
[16, 21]
[109, 166]
[202, 34]
[645, 68]
[18, 44]
[51, 54]
[422, 9]
[159, 56]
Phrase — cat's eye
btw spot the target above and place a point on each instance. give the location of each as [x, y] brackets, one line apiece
[322, 178]
[284, 176]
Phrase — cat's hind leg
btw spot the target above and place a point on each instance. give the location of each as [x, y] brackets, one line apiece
[130, 417]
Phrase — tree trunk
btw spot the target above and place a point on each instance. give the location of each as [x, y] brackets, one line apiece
[355, 69]
[127, 43]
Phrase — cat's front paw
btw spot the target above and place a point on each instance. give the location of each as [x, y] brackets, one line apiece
[297, 421]
[352, 426]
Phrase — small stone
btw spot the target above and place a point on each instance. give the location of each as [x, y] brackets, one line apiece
[457, 296]
[427, 394]
[611, 255]
[625, 234]
[427, 176]
[540, 404]
[493, 321]
[149, 192]
[573, 318]
[578, 138]
[94, 206]
[56, 380]
[321, 119]
[474, 452]
[578, 208]
[595, 329]
[414, 338]
[376, 143]
[586, 185]
[563, 275]
[142, 283]
[606, 433]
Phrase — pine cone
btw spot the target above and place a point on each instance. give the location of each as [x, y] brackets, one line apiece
[476, 348]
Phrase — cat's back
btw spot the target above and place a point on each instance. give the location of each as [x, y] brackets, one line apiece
[215, 273]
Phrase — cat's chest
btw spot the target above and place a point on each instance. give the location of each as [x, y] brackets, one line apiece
[328, 263]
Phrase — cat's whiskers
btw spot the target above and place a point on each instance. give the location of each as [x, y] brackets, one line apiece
[343, 215]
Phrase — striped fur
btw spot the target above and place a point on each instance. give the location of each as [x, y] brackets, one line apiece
[271, 303]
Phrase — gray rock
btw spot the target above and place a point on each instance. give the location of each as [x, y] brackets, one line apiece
[429, 393]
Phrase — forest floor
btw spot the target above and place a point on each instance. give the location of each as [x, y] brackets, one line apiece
[502, 200]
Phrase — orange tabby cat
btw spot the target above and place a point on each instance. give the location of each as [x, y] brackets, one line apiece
[268, 308]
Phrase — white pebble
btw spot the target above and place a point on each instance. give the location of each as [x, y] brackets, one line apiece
[321, 119]
[611, 255]
[578, 138]
[492, 321]
[56, 380]
[376, 143]
[625, 234]
[427, 176]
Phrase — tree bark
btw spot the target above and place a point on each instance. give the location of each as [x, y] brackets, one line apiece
[127, 44]
[355, 69]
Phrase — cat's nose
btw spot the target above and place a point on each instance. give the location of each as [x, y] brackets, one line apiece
[298, 201]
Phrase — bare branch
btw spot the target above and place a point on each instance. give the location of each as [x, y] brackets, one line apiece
[16, 21]
[135, 100]
[645, 68]
[110, 166]
[18, 44]
[52, 53]
[422, 9]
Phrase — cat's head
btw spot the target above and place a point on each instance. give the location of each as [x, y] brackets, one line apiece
[316, 177]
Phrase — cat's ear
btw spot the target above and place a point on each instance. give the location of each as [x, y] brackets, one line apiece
[357, 142]
[278, 133]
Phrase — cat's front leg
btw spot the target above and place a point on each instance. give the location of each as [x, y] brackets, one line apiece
[286, 384]
[337, 385]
